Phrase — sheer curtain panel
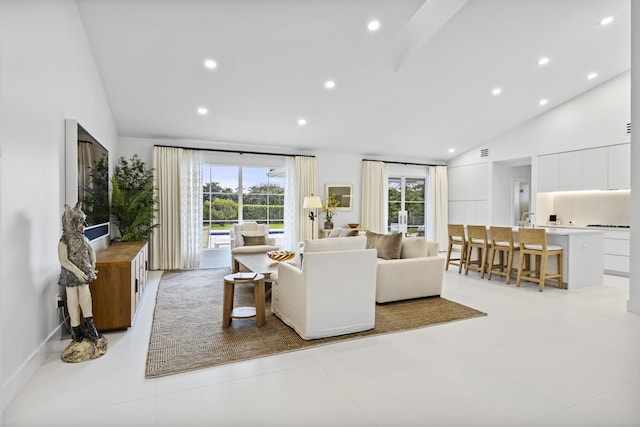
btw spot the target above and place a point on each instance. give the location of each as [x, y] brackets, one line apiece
[302, 181]
[374, 197]
[438, 205]
[191, 208]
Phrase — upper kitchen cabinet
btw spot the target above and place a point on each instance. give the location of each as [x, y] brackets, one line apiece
[548, 173]
[619, 170]
[569, 171]
[602, 168]
[594, 169]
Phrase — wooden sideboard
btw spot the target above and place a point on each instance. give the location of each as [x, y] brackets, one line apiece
[122, 276]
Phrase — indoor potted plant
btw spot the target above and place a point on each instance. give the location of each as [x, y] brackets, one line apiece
[329, 210]
[132, 200]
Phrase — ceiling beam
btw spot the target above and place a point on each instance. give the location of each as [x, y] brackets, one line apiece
[423, 25]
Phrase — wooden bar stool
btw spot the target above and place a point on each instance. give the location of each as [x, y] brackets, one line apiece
[457, 240]
[533, 241]
[503, 244]
[477, 239]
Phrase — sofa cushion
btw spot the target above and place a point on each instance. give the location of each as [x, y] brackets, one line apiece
[343, 232]
[253, 249]
[335, 244]
[388, 246]
[414, 247]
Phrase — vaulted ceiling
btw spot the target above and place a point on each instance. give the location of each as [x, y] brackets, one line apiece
[417, 87]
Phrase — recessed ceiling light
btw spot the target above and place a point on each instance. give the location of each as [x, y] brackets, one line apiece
[496, 91]
[543, 61]
[606, 21]
[210, 64]
[543, 102]
[302, 122]
[329, 84]
[373, 25]
[202, 111]
[592, 76]
[452, 150]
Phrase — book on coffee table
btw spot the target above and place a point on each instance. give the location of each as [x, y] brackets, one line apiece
[246, 276]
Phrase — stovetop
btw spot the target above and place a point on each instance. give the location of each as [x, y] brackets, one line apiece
[607, 226]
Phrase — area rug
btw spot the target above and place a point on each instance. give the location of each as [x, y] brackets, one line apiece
[187, 332]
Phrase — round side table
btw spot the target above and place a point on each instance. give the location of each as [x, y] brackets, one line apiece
[229, 312]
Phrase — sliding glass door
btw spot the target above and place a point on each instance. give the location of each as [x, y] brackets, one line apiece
[406, 208]
[234, 194]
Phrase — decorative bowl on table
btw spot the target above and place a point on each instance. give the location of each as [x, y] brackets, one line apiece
[280, 256]
[353, 225]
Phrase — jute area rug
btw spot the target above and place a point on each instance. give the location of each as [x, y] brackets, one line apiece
[187, 332]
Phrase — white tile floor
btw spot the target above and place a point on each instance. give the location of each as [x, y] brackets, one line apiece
[556, 358]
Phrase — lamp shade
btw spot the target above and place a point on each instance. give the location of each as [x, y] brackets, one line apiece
[312, 202]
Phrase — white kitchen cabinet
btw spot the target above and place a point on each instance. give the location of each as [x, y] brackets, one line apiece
[570, 171]
[616, 252]
[548, 173]
[595, 169]
[619, 166]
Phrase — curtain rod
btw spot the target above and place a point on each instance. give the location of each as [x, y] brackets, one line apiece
[235, 151]
[401, 163]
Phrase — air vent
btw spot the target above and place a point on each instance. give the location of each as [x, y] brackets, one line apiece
[628, 127]
[484, 152]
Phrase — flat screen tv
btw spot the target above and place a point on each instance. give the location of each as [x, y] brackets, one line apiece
[91, 179]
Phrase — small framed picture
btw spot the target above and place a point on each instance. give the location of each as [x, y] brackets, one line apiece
[342, 193]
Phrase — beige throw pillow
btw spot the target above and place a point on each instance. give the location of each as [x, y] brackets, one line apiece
[388, 246]
[250, 240]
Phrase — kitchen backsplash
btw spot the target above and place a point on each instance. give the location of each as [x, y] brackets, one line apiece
[584, 207]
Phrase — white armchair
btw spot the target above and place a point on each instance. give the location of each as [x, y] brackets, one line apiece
[332, 293]
[250, 238]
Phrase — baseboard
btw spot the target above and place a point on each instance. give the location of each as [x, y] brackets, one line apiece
[633, 306]
[19, 378]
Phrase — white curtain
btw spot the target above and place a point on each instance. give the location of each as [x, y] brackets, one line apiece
[302, 181]
[374, 197]
[191, 208]
[175, 243]
[438, 205]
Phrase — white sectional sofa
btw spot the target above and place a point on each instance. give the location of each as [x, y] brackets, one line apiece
[418, 272]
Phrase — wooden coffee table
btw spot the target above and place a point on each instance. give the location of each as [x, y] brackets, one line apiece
[258, 263]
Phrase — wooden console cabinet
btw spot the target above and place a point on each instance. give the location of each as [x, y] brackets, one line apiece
[122, 276]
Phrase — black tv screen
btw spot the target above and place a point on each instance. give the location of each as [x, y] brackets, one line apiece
[93, 184]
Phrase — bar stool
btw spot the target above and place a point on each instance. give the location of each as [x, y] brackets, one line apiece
[457, 240]
[502, 243]
[477, 239]
[533, 241]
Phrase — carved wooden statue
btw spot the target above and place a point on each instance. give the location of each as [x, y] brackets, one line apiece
[78, 261]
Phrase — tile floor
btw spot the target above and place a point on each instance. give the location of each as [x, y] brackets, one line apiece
[556, 358]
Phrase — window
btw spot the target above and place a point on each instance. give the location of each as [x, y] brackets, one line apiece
[233, 194]
[406, 204]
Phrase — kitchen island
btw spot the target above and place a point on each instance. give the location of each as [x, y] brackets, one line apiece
[583, 255]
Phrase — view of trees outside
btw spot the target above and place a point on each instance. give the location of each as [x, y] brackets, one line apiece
[406, 194]
[261, 198]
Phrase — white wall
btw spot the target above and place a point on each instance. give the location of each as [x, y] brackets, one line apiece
[594, 119]
[634, 289]
[47, 74]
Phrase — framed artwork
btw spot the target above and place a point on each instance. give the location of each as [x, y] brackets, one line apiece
[342, 193]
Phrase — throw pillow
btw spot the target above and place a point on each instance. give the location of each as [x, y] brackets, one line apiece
[343, 232]
[388, 246]
[414, 247]
[253, 240]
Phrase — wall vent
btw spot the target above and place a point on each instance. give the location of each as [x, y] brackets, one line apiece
[628, 127]
[484, 152]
